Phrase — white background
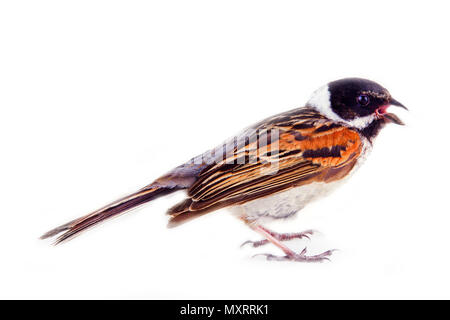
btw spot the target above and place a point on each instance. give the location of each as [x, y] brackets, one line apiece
[98, 98]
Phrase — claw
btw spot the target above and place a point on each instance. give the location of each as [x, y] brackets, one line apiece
[255, 244]
[246, 242]
[301, 257]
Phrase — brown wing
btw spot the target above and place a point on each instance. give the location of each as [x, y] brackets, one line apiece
[279, 153]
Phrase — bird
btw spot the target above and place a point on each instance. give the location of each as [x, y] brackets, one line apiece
[272, 169]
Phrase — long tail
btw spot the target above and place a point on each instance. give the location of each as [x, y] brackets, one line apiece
[73, 228]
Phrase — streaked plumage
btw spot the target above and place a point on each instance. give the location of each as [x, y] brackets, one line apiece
[310, 149]
[273, 168]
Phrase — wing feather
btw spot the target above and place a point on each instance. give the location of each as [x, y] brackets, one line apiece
[307, 147]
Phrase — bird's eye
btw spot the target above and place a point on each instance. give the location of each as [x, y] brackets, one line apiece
[363, 100]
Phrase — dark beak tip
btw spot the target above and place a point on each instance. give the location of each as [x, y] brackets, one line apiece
[394, 102]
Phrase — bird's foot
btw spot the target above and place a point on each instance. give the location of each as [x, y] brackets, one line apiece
[280, 237]
[300, 257]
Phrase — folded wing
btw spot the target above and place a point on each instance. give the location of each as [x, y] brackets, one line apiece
[282, 152]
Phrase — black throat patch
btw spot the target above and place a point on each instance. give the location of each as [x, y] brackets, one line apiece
[372, 130]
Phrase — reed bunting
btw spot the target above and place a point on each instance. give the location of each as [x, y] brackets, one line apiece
[272, 169]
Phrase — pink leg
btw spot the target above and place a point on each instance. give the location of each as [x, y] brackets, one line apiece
[290, 255]
[280, 237]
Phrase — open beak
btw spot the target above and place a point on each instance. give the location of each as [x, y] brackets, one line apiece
[390, 117]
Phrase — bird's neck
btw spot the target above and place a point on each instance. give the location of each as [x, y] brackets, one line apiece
[372, 130]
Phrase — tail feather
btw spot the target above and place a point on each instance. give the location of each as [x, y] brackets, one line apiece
[74, 227]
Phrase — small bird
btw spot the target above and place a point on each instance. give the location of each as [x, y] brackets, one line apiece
[273, 169]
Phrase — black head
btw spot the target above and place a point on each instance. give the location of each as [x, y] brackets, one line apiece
[353, 97]
[358, 102]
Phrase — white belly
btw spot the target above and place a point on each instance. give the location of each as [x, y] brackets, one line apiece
[286, 203]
